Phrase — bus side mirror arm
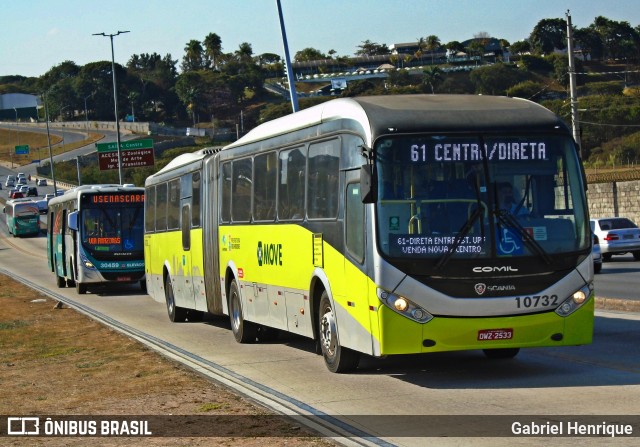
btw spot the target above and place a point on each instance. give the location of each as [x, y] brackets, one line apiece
[72, 221]
[368, 184]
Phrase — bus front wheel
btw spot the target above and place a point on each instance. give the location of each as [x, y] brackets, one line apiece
[176, 314]
[243, 331]
[337, 358]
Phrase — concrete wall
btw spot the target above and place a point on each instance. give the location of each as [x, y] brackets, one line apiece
[615, 199]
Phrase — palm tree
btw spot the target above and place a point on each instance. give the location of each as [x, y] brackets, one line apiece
[431, 76]
[212, 49]
[192, 59]
[432, 44]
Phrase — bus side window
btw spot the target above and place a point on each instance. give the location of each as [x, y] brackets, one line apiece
[292, 180]
[324, 158]
[150, 208]
[173, 205]
[264, 187]
[161, 209]
[225, 191]
[241, 199]
[195, 200]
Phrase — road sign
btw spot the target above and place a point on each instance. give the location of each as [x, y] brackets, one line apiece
[125, 145]
[22, 149]
[136, 153]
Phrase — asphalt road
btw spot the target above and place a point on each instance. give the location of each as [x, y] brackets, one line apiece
[387, 399]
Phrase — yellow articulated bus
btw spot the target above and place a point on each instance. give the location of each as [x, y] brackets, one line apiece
[380, 226]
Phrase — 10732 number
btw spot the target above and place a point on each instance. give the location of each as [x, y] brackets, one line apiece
[527, 302]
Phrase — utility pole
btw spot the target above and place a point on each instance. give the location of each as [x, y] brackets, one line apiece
[572, 85]
[292, 83]
[115, 98]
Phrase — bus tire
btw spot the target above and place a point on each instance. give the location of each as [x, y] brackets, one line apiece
[143, 286]
[267, 334]
[337, 358]
[61, 282]
[81, 288]
[243, 331]
[176, 314]
[504, 353]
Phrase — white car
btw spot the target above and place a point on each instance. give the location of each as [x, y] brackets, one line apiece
[617, 236]
[597, 255]
[41, 182]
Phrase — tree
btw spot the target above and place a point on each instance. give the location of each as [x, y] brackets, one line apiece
[619, 39]
[495, 79]
[520, 47]
[212, 49]
[368, 48]
[432, 43]
[309, 54]
[193, 58]
[431, 76]
[548, 35]
[244, 52]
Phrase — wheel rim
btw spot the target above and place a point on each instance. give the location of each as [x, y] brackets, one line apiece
[235, 312]
[328, 332]
[170, 303]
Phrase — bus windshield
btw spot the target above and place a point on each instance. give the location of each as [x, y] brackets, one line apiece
[445, 197]
[113, 231]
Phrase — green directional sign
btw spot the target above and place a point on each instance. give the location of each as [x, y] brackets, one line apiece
[125, 145]
[136, 153]
[22, 149]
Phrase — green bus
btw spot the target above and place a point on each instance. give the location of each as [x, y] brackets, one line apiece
[23, 217]
[379, 226]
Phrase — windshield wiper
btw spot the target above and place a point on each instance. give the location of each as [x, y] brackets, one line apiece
[468, 225]
[508, 220]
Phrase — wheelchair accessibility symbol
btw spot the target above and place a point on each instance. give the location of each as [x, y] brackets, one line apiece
[509, 242]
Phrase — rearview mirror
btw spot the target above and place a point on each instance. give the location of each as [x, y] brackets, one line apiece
[368, 184]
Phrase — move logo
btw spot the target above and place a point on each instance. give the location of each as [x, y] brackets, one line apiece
[269, 254]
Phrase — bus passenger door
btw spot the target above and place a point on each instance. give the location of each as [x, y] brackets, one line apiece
[186, 259]
[357, 285]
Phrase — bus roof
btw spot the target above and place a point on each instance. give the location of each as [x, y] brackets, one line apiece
[379, 115]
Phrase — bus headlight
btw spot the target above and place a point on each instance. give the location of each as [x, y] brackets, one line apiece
[404, 306]
[575, 301]
[87, 264]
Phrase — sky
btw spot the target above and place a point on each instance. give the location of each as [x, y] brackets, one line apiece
[36, 35]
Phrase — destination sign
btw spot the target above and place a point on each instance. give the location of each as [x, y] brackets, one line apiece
[113, 198]
[462, 151]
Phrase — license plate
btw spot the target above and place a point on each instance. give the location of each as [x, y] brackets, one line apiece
[123, 278]
[627, 236]
[495, 334]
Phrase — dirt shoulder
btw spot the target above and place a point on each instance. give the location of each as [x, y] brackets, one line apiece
[60, 362]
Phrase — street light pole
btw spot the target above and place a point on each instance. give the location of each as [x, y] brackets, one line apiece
[17, 137]
[86, 117]
[46, 116]
[115, 97]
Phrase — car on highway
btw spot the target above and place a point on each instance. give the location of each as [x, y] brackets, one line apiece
[22, 181]
[43, 206]
[596, 254]
[10, 182]
[48, 197]
[617, 236]
[24, 189]
[32, 191]
[16, 195]
[41, 182]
